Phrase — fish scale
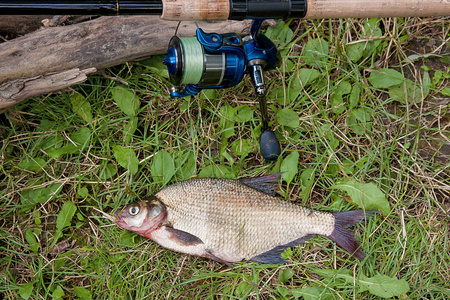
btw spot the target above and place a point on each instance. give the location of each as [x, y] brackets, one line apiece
[233, 220]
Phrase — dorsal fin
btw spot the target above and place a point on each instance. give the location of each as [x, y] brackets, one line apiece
[265, 184]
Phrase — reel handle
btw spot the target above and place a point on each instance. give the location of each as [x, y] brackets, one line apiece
[268, 142]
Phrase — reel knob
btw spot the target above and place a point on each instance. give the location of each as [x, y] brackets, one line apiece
[269, 145]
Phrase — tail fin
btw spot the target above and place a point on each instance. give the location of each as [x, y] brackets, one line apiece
[343, 236]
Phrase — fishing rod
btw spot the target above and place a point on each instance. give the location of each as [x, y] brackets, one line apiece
[183, 10]
[214, 61]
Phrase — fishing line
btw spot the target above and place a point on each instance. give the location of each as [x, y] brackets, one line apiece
[176, 29]
[193, 63]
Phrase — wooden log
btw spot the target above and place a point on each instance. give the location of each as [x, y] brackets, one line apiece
[100, 43]
[17, 90]
[19, 25]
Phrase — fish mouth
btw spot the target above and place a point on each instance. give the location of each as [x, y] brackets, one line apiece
[121, 223]
[118, 218]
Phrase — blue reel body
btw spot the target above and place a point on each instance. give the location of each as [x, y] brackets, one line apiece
[214, 61]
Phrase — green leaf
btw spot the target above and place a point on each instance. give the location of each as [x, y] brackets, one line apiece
[65, 215]
[242, 147]
[426, 84]
[186, 166]
[156, 65]
[51, 142]
[337, 104]
[107, 171]
[127, 239]
[25, 290]
[288, 117]
[296, 85]
[47, 125]
[163, 167]
[242, 113]
[385, 78]
[126, 99]
[31, 239]
[277, 94]
[365, 195]
[216, 171]
[343, 88]
[355, 51]
[67, 149]
[307, 76]
[126, 158]
[378, 285]
[360, 120]
[406, 92]
[58, 293]
[36, 216]
[354, 96]
[289, 167]
[445, 59]
[446, 92]
[285, 274]
[315, 52]
[311, 293]
[129, 129]
[208, 94]
[371, 29]
[325, 131]
[307, 181]
[354, 125]
[281, 34]
[82, 192]
[226, 116]
[81, 137]
[33, 196]
[82, 293]
[79, 140]
[336, 277]
[32, 164]
[81, 107]
[383, 286]
[244, 288]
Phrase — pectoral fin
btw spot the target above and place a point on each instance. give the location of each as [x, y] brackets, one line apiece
[182, 237]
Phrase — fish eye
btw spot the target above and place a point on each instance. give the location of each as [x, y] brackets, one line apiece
[133, 210]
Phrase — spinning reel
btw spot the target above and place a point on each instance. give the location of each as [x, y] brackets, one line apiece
[214, 61]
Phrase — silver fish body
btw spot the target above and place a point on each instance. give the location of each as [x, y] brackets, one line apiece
[233, 220]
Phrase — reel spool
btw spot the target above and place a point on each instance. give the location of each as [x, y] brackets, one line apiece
[214, 61]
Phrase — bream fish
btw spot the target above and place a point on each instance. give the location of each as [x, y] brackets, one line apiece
[233, 220]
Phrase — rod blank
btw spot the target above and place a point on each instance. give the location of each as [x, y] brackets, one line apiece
[80, 7]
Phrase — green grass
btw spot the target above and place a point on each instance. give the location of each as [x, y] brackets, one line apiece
[52, 155]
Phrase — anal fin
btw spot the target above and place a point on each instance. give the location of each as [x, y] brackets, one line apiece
[209, 254]
[182, 237]
[273, 256]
